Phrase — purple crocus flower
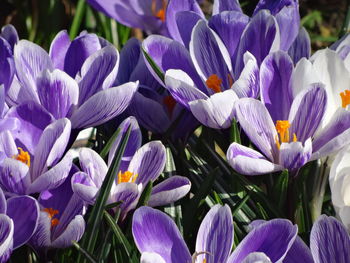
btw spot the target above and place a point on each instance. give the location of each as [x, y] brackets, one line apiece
[83, 92]
[138, 167]
[61, 217]
[152, 105]
[33, 151]
[19, 217]
[159, 240]
[203, 82]
[152, 16]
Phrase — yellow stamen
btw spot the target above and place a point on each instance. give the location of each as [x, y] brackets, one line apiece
[282, 128]
[23, 156]
[204, 260]
[170, 103]
[345, 98]
[161, 12]
[126, 177]
[295, 139]
[52, 212]
[214, 82]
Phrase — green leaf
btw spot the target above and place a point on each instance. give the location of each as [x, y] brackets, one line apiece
[109, 144]
[154, 65]
[113, 205]
[86, 254]
[78, 17]
[280, 189]
[94, 221]
[234, 132]
[122, 240]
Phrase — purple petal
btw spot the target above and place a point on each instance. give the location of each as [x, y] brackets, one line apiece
[93, 165]
[3, 204]
[51, 146]
[147, 257]
[14, 176]
[299, 253]
[84, 187]
[7, 64]
[294, 155]
[257, 124]
[307, 111]
[127, 193]
[58, 49]
[57, 92]
[185, 21]
[134, 142]
[53, 177]
[256, 257]
[155, 232]
[170, 54]
[226, 5]
[24, 211]
[248, 161]
[209, 54]
[129, 56]
[301, 47]
[182, 88]
[169, 191]
[103, 106]
[260, 37]
[217, 111]
[273, 238]
[175, 7]
[6, 237]
[7, 144]
[276, 93]
[30, 61]
[32, 120]
[229, 26]
[329, 241]
[248, 83]
[73, 232]
[98, 72]
[9, 33]
[79, 50]
[148, 162]
[215, 235]
[42, 236]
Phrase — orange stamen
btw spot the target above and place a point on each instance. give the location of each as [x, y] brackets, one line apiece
[23, 156]
[345, 98]
[170, 103]
[52, 212]
[282, 128]
[126, 177]
[214, 82]
[161, 12]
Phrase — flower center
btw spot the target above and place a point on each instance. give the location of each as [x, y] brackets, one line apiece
[126, 177]
[23, 156]
[52, 212]
[169, 103]
[214, 83]
[161, 12]
[345, 98]
[282, 128]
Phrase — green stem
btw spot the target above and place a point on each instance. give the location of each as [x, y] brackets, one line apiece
[78, 17]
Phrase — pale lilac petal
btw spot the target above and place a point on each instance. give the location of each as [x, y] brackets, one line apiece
[7, 144]
[301, 47]
[226, 5]
[104, 106]
[260, 37]
[257, 124]
[58, 49]
[9, 33]
[24, 211]
[42, 236]
[329, 241]
[155, 232]
[148, 162]
[248, 161]
[128, 194]
[217, 111]
[93, 165]
[84, 187]
[169, 191]
[215, 235]
[229, 26]
[3, 204]
[79, 50]
[14, 176]
[57, 92]
[274, 238]
[147, 257]
[256, 257]
[276, 93]
[294, 155]
[174, 7]
[73, 232]
[98, 72]
[6, 237]
[307, 111]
